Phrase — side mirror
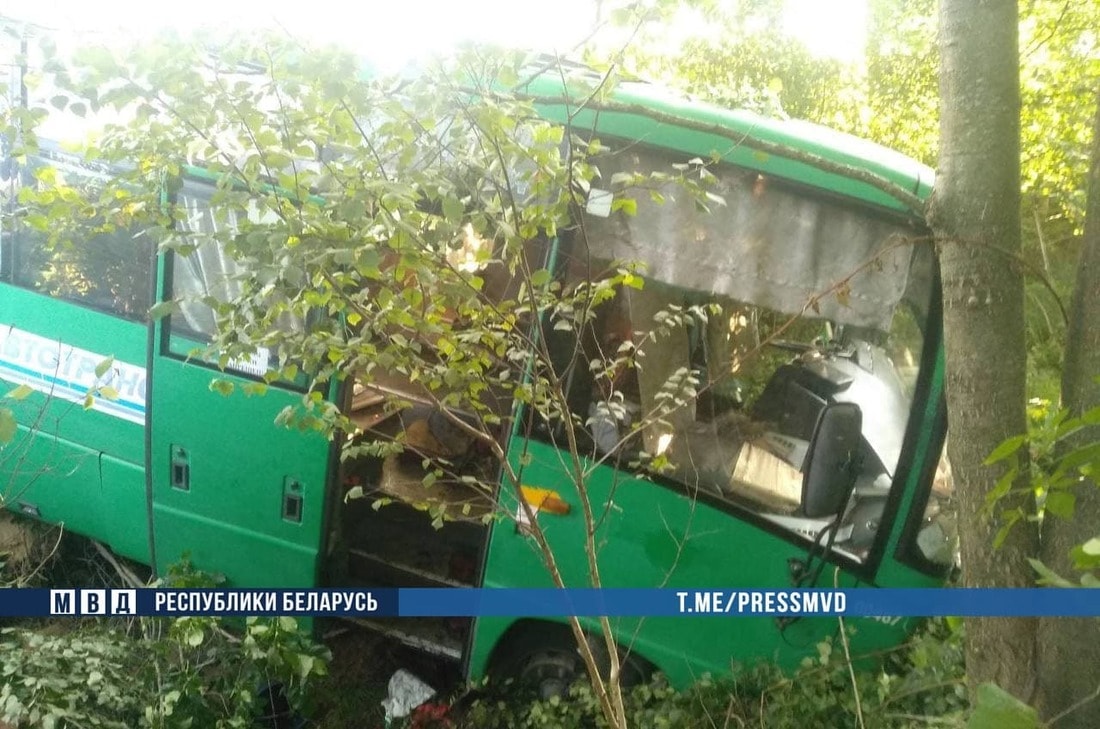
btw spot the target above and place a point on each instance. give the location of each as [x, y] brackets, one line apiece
[831, 467]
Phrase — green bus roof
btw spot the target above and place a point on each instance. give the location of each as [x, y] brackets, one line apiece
[654, 115]
[660, 117]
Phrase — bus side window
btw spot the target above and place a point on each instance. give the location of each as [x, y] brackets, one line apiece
[108, 270]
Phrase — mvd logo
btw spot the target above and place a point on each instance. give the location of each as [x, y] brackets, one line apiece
[93, 602]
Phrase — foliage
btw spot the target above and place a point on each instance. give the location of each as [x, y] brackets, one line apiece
[765, 72]
[1055, 473]
[394, 207]
[1060, 67]
[892, 98]
[902, 81]
[923, 681]
[378, 227]
[182, 672]
[67, 680]
[754, 65]
[359, 232]
[1059, 73]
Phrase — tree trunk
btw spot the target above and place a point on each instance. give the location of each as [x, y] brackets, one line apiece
[1069, 649]
[976, 217]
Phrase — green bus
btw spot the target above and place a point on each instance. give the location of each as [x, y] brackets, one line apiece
[171, 467]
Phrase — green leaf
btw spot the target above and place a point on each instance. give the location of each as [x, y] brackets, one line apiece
[623, 179]
[222, 387]
[998, 709]
[21, 392]
[1006, 449]
[1010, 519]
[1092, 547]
[453, 209]
[1060, 503]
[1002, 487]
[7, 426]
[37, 221]
[626, 204]
[1084, 561]
[305, 665]
[254, 388]
[540, 277]
[194, 637]
[102, 368]
[89, 401]
[108, 393]
[162, 309]
[1047, 576]
[1091, 417]
[1081, 457]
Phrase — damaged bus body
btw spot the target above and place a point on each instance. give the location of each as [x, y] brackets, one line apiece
[171, 468]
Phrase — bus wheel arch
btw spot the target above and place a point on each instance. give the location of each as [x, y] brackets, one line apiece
[542, 656]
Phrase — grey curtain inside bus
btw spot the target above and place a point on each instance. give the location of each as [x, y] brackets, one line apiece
[766, 246]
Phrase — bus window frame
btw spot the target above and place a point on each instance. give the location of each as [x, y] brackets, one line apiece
[908, 552]
[867, 568]
[168, 332]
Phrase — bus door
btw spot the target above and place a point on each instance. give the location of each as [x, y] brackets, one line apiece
[235, 492]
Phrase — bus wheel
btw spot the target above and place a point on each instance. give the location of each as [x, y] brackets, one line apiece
[550, 672]
[542, 657]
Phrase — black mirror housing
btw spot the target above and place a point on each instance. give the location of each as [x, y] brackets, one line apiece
[832, 462]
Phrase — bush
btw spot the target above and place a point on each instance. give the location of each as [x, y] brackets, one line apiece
[922, 680]
[163, 673]
[155, 672]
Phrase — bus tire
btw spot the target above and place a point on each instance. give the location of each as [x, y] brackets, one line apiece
[542, 657]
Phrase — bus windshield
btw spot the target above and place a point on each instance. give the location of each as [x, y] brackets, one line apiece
[762, 242]
[785, 303]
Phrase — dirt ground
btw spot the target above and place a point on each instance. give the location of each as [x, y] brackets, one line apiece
[16, 541]
[350, 697]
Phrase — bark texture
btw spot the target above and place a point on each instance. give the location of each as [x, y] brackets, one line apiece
[1069, 649]
[976, 217]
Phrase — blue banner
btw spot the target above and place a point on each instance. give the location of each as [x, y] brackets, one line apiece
[614, 602]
